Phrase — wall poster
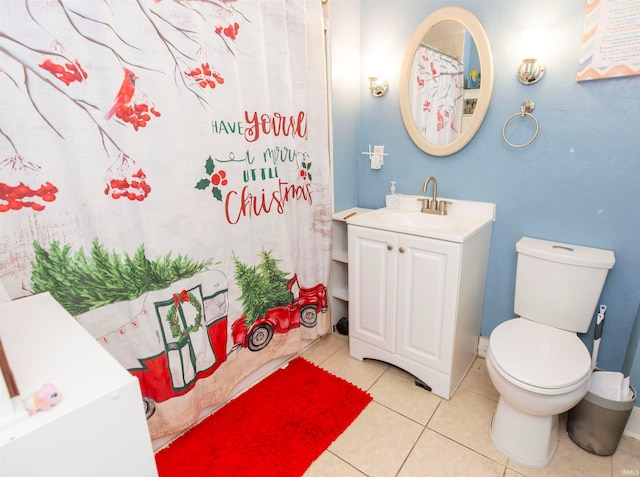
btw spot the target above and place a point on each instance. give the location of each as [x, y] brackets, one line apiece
[610, 40]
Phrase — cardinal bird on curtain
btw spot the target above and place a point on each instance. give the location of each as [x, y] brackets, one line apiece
[125, 94]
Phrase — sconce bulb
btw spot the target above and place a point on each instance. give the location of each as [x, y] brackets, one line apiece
[377, 88]
[531, 71]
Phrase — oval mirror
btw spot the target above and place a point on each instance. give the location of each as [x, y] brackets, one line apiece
[446, 81]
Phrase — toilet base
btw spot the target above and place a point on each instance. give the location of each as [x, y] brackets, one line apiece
[524, 438]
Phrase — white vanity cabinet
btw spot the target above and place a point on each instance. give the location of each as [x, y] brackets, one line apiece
[416, 302]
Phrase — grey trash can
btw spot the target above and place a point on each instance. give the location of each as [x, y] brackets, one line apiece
[596, 424]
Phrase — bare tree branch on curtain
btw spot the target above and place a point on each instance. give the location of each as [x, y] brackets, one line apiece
[47, 61]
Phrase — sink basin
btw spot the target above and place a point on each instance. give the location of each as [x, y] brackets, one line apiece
[464, 219]
[416, 219]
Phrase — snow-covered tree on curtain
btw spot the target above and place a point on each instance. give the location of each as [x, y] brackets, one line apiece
[81, 283]
[262, 287]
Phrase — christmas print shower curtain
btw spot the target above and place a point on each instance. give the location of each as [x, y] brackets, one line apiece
[435, 95]
[164, 174]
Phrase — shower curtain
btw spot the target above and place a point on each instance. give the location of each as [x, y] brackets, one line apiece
[436, 95]
[164, 174]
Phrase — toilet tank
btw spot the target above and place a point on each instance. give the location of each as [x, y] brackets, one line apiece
[559, 284]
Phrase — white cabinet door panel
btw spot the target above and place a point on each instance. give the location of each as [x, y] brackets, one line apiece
[427, 281]
[372, 274]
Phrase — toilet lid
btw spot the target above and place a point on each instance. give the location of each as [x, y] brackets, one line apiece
[539, 355]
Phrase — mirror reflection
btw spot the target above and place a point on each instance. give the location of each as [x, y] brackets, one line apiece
[447, 80]
[445, 74]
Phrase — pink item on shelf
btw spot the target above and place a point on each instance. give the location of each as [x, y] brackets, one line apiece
[42, 400]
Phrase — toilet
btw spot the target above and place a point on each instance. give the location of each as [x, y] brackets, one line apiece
[536, 361]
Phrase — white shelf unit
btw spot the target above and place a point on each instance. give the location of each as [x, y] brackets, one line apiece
[98, 428]
[339, 279]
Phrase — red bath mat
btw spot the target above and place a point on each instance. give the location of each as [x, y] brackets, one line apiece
[276, 428]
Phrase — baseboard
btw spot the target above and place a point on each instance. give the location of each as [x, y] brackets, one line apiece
[483, 344]
[633, 425]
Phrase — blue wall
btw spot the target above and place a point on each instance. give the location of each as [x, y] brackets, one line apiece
[579, 182]
[345, 100]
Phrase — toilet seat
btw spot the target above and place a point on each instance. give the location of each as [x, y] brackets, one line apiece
[538, 357]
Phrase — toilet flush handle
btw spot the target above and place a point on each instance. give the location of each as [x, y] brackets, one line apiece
[563, 247]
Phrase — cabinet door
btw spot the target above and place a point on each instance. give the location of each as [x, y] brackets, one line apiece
[428, 273]
[372, 283]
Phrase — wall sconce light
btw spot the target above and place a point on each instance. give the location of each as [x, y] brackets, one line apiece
[531, 71]
[377, 87]
[372, 66]
[532, 47]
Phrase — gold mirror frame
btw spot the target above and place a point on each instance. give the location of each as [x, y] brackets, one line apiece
[476, 30]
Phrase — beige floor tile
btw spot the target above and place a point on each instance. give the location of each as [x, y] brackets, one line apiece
[625, 464]
[630, 446]
[378, 441]
[396, 389]
[329, 465]
[437, 455]
[477, 380]
[324, 348]
[569, 461]
[360, 373]
[466, 419]
[512, 473]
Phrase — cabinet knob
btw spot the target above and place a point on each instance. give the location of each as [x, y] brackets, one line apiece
[389, 247]
[401, 249]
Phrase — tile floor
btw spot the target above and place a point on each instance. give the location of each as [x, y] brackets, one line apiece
[409, 432]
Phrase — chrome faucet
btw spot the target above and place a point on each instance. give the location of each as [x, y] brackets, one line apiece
[432, 205]
[435, 187]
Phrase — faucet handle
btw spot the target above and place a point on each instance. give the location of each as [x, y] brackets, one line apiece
[426, 203]
[441, 205]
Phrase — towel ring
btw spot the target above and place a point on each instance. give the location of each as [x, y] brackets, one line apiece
[525, 110]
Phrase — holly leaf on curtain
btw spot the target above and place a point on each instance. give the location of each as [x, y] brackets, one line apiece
[209, 166]
[305, 172]
[215, 179]
[203, 184]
